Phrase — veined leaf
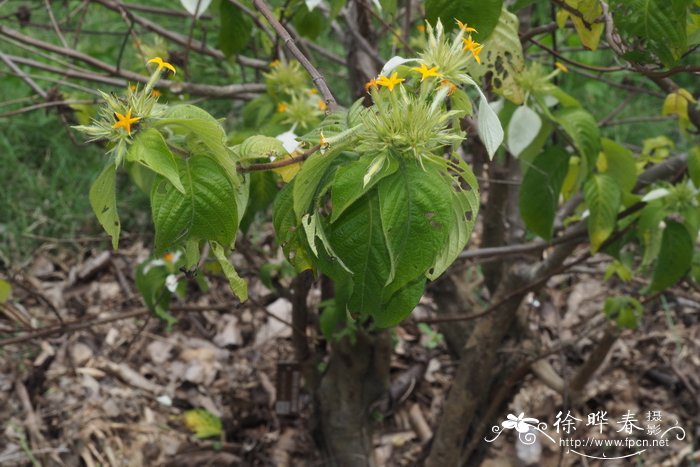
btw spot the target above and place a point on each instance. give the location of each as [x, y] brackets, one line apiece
[675, 256]
[206, 211]
[203, 423]
[588, 30]
[236, 29]
[619, 164]
[238, 285]
[480, 14]
[465, 208]
[416, 217]
[583, 130]
[201, 127]
[401, 304]
[312, 180]
[539, 193]
[103, 199]
[502, 58]
[358, 239]
[603, 199]
[348, 184]
[150, 149]
[288, 229]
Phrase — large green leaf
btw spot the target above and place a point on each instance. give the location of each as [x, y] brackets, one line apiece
[465, 207]
[539, 193]
[675, 256]
[694, 165]
[583, 130]
[401, 304]
[481, 14]
[206, 135]
[150, 149]
[416, 217]
[348, 182]
[238, 285]
[206, 211]
[358, 239]
[657, 25]
[312, 180]
[618, 162]
[103, 199]
[288, 229]
[502, 59]
[236, 29]
[603, 199]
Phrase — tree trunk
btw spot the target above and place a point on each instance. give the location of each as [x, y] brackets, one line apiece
[357, 375]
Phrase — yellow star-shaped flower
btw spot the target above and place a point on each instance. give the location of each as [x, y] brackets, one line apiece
[390, 82]
[125, 121]
[162, 64]
[426, 73]
[464, 27]
[472, 46]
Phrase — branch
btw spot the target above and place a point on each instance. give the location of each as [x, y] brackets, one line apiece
[279, 164]
[601, 69]
[316, 76]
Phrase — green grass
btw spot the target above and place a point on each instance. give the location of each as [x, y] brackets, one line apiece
[44, 181]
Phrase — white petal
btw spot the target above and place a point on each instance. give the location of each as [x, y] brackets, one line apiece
[311, 4]
[656, 194]
[393, 63]
[289, 141]
[171, 282]
[196, 6]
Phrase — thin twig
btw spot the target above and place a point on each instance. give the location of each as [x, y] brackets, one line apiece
[30, 82]
[316, 76]
[279, 164]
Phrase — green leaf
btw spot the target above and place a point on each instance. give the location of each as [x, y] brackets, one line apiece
[207, 134]
[626, 311]
[263, 190]
[206, 211]
[358, 239]
[694, 165]
[312, 180]
[583, 130]
[309, 23]
[150, 149]
[238, 286]
[416, 217]
[203, 423]
[235, 31]
[288, 229]
[649, 232]
[336, 6]
[150, 282]
[603, 199]
[103, 199]
[480, 14]
[588, 29]
[465, 208]
[348, 184]
[619, 164]
[502, 58]
[400, 305]
[675, 257]
[259, 146]
[541, 186]
[655, 25]
[5, 290]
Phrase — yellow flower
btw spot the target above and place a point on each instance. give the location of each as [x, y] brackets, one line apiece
[373, 83]
[464, 27]
[313, 91]
[421, 28]
[561, 66]
[132, 87]
[472, 46]
[282, 107]
[155, 93]
[275, 63]
[162, 64]
[169, 257]
[426, 73]
[125, 121]
[390, 82]
[322, 105]
[452, 86]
